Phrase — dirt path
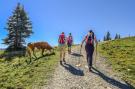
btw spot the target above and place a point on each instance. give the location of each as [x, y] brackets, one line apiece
[68, 76]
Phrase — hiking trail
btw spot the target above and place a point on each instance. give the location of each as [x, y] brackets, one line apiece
[68, 76]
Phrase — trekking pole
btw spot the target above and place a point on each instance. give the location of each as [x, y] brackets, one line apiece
[81, 50]
[79, 59]
[95, 58]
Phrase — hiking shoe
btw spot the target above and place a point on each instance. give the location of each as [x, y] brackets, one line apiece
[90, 70]
[61, 62]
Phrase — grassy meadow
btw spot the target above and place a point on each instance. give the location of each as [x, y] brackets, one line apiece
[121, 55]
[1, 51]
[18, 74]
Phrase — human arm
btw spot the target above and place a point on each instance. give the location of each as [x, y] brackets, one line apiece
[96, 44]
[82, 42]
[65, 39]
[58, 39]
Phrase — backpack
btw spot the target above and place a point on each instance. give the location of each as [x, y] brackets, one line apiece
[90, 40]
[69, 40]
[62, 39]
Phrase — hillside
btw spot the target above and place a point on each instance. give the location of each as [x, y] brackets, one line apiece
[46, 73]
[121, 56]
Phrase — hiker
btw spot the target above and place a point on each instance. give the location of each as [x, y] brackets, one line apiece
[69, 42]
[89, 40]
[62, 46]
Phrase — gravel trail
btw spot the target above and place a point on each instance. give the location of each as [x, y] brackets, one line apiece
[69, 76]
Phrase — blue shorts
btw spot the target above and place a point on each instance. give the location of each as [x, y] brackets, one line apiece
[61, 45]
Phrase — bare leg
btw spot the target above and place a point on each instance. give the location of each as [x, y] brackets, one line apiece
[60, 54]
[70, 49]
[64, 54]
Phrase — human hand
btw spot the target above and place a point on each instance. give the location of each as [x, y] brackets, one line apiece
[81, 45]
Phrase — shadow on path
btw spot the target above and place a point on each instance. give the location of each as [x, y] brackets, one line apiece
[73, 70]
[77, 54]
[110, 80]
[46, 55]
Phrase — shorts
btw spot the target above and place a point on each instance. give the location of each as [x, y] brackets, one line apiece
[69, 45]
[62, 47]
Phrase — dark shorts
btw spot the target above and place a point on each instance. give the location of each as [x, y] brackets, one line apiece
[89, 49]
[69, 45]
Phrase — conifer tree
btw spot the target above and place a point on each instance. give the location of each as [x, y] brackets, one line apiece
[104, 38]
[116, 36]
[108, 36]
[119, 36]
[19, 28]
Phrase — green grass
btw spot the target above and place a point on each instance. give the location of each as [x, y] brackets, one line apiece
[1, 52]
[121, 55]
[18, 74]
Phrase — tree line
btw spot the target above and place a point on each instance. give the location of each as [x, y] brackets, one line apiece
[108, 36]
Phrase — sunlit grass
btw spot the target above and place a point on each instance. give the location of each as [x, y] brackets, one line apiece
[1, 52]
[18, 74]
[121, 55]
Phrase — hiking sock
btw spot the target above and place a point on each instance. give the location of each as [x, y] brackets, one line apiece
[60, 62]
[64, 60]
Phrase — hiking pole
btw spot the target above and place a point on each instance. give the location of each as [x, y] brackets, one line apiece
[95, 56]
[79, 64]
[80, 50]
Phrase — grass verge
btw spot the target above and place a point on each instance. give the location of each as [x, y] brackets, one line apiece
[121, 55]
[17, 74]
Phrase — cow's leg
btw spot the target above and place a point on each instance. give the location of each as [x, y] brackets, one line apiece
[43, 52]
[34, 53]
[51, 52]
[29, 55]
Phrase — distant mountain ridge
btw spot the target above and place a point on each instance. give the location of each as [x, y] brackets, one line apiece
[2, 48]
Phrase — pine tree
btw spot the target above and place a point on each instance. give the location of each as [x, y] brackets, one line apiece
[19, 28]
[117, 36]
[104, 38]
[108, 36]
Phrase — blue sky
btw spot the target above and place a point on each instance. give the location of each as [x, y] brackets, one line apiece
[51, 17]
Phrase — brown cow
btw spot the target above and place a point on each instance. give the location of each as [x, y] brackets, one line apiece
[37, 45]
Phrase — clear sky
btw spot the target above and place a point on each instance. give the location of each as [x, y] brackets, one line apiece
[51, 17]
